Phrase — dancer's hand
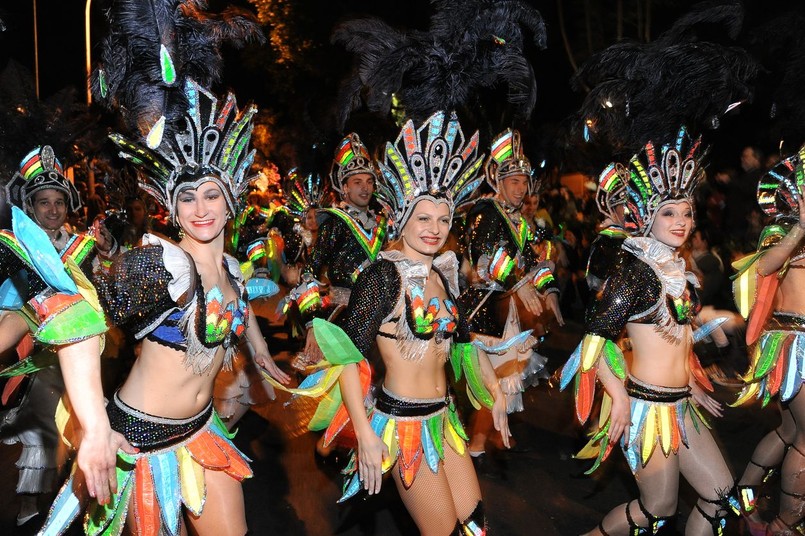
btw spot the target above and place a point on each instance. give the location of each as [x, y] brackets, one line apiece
[501, 419]
[97, 457]
[706, 401]
[620, 419]
[552, 304]
[528, 295]
[371, 453]
[270, 366]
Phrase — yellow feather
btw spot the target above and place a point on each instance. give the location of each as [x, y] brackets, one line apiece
[389, 437]
[454, 440]
[191, 476]
[606, 408]
[666, 433]
[590, 451]
[591, 347]
[649, 434]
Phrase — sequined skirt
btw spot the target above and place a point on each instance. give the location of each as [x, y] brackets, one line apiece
[658, 420]
[777, 361]
[165, 477]
[413, 429]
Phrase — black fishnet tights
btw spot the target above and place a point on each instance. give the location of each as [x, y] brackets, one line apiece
[703, 467]
[437, 501]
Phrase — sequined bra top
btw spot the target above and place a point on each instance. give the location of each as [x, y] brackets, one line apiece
[391, 290]
[648, 286]
[156, 292]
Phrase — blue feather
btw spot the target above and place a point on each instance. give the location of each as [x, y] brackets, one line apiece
[261, 287]
[570, 368]
[708, 328]
[165, 468]
[63, 512]
[44, 257]
[431, 455]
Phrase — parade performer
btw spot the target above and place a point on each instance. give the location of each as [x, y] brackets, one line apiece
[652, 407]
[350, 238]
[48, 197]
[606, 248]
[502, 251]
[768, 291]
[188, 304]
[405, 304]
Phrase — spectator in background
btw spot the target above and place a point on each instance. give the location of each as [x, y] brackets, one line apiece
[739, 194]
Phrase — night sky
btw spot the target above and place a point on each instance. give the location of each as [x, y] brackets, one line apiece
[61, 46]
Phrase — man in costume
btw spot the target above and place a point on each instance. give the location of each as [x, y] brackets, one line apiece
[48, 197]
[507, 275]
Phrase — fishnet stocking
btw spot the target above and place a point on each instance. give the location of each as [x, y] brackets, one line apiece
[792, 480]
[703, 467]
[437, 501]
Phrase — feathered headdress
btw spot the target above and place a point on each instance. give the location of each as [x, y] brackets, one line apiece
[211, 144]
[659, 175]
[40, 170]
[611, 192]
[645, 91]
[506, 158]
[153, 48]
[470, 45]
[351, 158]
[430, 162]
[779, 189]
[303, 192]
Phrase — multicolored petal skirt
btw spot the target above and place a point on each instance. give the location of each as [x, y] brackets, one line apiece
[777, 364]
[167, 474]
[413, 429]
[658, 420]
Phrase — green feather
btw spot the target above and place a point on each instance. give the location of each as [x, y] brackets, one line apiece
[614, 359]
[472, 371]
[452, 417]
[436, 428]
[335, 344]
[30, 364]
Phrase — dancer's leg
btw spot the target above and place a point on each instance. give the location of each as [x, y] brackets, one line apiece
[792, 473]
[224, 513]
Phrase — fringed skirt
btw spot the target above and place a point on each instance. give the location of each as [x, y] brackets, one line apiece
[658, 421]
[167, 473]
[414, 430]
[777, 361]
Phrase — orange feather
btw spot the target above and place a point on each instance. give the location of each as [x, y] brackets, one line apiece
[585, 391]
[764, 302]
[409, 435]
[698, 372]
[146, 506]
[207, 452]
[238, 467]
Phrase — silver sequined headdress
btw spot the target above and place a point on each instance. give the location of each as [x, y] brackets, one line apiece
[432, 162]
[611, 192]
[778, 191]
[211, 143]
[40, 170]
[506, 158]
[661, 175]
[351, 158]
[303, 192]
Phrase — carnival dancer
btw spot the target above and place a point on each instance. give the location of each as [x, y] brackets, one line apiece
[606, 247]
[349, 239]
[652, 407]
[405, 304]
[48, 197]
[187, 301]
[769, 291]
[501, 250]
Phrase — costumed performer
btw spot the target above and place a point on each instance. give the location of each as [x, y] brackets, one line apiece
[768, 290]
[651, 407]
[505, 264]
[405, 305]
[48, 197]
[187, 301]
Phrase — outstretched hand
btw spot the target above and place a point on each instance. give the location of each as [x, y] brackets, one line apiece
[706, 401]
[552, 304]
[270, 366]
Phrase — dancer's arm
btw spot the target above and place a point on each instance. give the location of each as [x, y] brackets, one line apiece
[775, 257]
[499, 415]
[260, 350]
[97, 452]
[621, 413]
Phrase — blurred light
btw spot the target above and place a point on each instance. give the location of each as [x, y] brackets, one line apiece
[608, 103]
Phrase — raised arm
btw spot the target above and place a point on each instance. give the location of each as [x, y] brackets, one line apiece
[777, 255]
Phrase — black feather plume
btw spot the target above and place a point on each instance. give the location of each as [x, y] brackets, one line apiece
[154, 46]
[470, 45]
[642, 92]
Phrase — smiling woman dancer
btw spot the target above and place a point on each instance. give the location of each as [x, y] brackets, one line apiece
[188, 304]
[652, 407]
[405, 305]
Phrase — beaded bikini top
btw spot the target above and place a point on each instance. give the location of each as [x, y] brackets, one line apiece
[422, 322]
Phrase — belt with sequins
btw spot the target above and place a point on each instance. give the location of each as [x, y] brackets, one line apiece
[149, 432]
[397, 406]
[655, 393]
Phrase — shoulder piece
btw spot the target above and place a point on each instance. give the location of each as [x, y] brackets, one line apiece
[177, 262]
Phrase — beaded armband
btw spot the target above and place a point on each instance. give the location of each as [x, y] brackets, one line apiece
[307, 296]
[544, 281]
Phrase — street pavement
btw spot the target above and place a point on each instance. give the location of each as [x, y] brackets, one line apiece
[541, 488]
